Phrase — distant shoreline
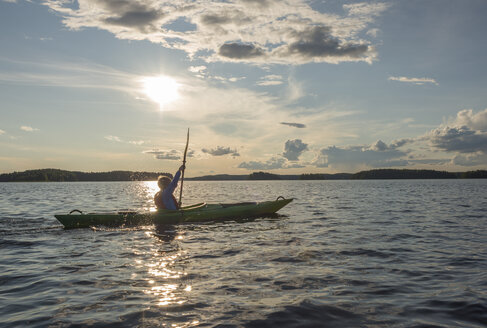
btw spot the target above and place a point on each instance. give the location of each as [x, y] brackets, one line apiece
[57, 175]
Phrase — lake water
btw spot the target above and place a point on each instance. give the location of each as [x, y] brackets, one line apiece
[381, 253]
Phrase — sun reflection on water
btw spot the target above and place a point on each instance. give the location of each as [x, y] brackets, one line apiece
[150, 188]
[165, 273]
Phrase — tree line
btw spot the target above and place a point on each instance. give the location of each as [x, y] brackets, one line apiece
[56, 175]
[418, 174]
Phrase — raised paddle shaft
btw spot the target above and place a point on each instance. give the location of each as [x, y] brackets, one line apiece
[182, 173]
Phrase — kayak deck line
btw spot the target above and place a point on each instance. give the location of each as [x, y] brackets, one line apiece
[200, 212]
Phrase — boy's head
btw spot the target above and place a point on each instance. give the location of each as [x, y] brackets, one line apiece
[163, 181]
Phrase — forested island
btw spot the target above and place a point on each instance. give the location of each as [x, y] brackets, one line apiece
[57, 175]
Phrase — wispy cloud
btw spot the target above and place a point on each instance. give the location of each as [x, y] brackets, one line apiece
[2, 132]
[45, 38]
[264, 32]
[67, 75]
[137, 142]
[113, 138]
[225, 79]
[118, 139]
[270, 80]
[268, 83]
[27, 128]
[413, 80]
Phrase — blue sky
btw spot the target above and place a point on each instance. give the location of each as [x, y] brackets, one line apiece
[281, 86]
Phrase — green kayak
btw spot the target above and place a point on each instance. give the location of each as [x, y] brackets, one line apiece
[201, 212]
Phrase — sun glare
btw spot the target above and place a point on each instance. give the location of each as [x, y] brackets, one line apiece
[161, 89]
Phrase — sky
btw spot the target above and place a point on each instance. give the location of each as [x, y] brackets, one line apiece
[280, 86]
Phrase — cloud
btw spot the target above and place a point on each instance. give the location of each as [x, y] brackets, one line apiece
[270, 80]
[136, 142]
[235, 79]
[458, 139]
[268, 83]
[165, 154]
[401, 142]
[113, 138]
[28, 128]
[470, 159]
[365, 9]
[414, 80]
[259, 3]
[273, 163]
[2, 132]
[45, 38]
[296, 125]
[373, 32]
[67, 75]
[248, 31]
[475, 121]
[197, 69]
[240, 51]
[293, 149]
[134, 18]
[221, 151]
[118, 139]
[379, 145]
[317, 42]
[226, 79]
[466, 133]
[132, 14]
[378, 154]
[430, 161]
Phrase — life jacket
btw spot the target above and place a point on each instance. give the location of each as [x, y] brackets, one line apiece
[160, 203]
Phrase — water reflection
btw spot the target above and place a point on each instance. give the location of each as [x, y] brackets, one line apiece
[164, 262]
[165, 268]
[147, 191]
[165, 232]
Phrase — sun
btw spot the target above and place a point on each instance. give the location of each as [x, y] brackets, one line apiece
[161, 89]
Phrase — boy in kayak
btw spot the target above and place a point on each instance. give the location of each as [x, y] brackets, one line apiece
[164, 199]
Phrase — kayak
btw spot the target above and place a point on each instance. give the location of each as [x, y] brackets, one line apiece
[201, 212]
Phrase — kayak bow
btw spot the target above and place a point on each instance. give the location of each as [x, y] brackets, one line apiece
[201, 212]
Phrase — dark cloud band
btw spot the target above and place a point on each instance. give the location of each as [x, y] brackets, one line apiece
[295, 125]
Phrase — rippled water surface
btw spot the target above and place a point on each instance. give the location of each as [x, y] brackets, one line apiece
[382, 253]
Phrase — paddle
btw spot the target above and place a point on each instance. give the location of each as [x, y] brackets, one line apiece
[182, 174]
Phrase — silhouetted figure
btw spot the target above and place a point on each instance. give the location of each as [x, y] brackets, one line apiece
[164, 199]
